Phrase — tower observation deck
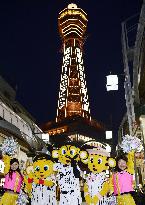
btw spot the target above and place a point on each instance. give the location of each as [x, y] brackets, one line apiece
[73, 98]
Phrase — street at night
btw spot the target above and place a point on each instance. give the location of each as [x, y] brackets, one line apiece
[72, 102]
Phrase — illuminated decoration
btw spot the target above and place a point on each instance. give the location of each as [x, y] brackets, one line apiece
[112, 82]
[73, 98]
[79, 137]
[57, 130]
[73, 10]
[73, 120]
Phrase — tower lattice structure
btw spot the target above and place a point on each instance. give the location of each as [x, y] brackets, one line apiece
[73, 98]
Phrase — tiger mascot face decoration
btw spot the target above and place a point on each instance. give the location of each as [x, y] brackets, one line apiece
[42, 168]
[97, 160]
[66, 153]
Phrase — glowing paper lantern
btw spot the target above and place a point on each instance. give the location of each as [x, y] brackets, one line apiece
[45, 137]
[112, 82]
[108, 135]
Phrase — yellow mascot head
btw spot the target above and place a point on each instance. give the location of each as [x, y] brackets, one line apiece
[43, 166]
[97, 159]
[66, 153]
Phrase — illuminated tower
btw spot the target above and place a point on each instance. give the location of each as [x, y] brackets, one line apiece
[73, 121]
[73, 98]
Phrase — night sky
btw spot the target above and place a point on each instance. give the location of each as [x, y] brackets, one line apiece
[30, 57]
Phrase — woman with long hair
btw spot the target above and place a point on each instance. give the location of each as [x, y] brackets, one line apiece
[122, 179]
[13, 181]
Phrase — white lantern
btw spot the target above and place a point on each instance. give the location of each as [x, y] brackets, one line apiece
[112, 82]
[108, 135]
[45, 137]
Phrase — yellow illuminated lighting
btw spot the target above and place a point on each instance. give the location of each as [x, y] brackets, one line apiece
[73, 25]
[72, 32]
[72, 12]
[57, 131]
[77, 8]
[70, 19]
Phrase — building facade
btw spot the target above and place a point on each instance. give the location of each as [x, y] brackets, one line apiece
[15, 121]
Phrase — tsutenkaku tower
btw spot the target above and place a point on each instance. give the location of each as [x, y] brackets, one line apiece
[73, 121]
[73, 98]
